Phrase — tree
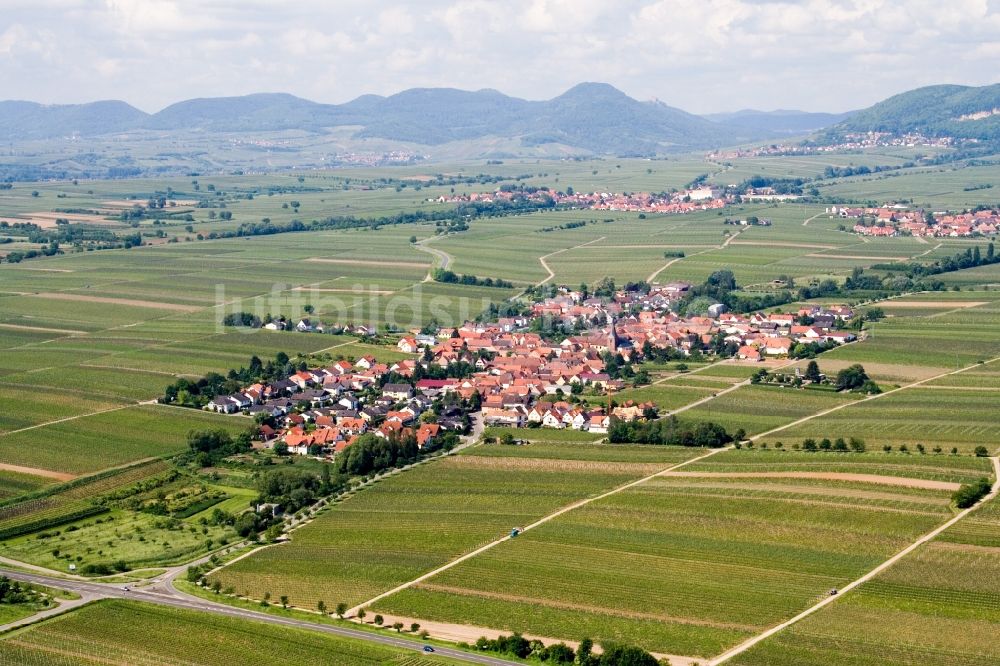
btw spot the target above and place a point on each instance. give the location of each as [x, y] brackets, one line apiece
[309, 309]
[981, 452]
[284, 601]
[852, 378]
[342, 609]
[398, 626]
[321, 607]
[361, 614]
[379, 620]
[216, 586]
[415, 627]
[809, 444]
[857, 445]
[812, 372]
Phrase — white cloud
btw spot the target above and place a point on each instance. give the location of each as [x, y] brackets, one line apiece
[701, 56]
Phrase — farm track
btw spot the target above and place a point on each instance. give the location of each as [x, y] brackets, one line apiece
[725, 244]
[541, 521]
[746, 645]
[545, 265]
[37, 471]
[444, 259]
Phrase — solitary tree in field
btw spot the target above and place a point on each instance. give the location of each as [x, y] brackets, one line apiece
[284, 601]
[309, 309]
[341, 610]
[321, 607]
[812, 371]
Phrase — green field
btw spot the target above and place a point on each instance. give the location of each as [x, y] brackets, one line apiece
[938, 606]
[410, 523]
[105, 633]
[679, 565]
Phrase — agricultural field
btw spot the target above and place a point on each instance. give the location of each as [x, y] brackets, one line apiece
[92, 443]
[939, 606]
[73, 500]
[936, 418]
[411, 523]
[138, 539]
[105, 633]
[681, 564]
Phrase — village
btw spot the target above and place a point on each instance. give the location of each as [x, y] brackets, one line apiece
[510, 373]
[897, 220]
[703, 197]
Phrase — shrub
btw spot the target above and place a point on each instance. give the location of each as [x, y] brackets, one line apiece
[970, 493]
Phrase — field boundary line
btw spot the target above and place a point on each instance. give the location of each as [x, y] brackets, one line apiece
[871, 397]
[746, 645]
[541, 521]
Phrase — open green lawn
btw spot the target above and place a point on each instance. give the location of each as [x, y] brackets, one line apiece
[105, 632]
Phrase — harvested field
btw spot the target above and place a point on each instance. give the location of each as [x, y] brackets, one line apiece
[890, 304]
[364, 262]
[37, 471]
[828, 476]
[64, 296]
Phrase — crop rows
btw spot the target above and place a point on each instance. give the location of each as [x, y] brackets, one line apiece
[678, 565]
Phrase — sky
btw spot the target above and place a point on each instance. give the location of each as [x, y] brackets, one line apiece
[700, 55]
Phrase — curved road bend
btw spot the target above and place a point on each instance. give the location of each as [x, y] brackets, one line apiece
[179, 600]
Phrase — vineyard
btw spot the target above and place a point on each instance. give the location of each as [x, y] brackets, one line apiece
[949, 468]
[411, 523]
[680, 565]
[72, 501]
[121, 632]
[939, 606]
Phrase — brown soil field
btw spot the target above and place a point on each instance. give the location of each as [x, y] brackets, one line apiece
[931, 304]
[61, 296]
[365, 262]
[35, 471]
[826, 476]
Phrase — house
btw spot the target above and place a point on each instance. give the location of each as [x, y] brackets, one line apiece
[408, 345]
[599, 423]
[398, 391]
[426, 434]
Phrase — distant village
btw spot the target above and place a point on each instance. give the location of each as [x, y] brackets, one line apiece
[689, 200]
[897, 220]
[509, 374]
[855, 141]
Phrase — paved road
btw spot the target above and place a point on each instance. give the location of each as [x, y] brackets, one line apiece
[175, 599]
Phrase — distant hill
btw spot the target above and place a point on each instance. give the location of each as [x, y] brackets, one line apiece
[28, 120]
[945, 110]
[779, 122]
[591, 117]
